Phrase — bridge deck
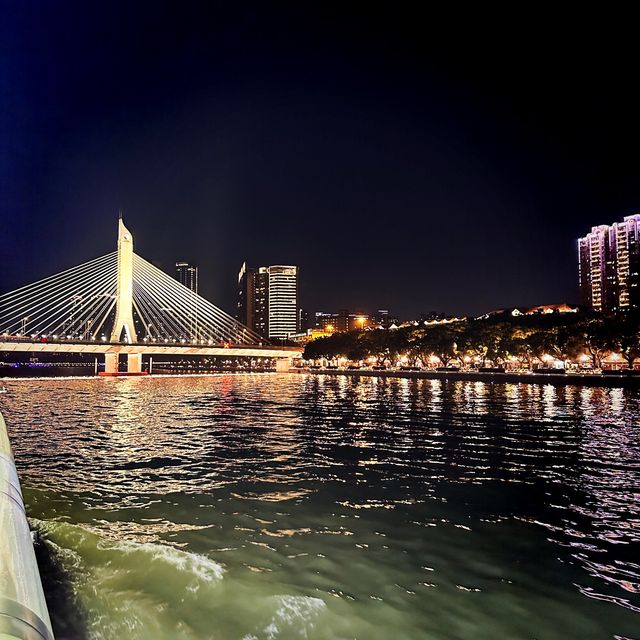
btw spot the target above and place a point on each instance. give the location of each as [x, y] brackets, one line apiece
[251, 351]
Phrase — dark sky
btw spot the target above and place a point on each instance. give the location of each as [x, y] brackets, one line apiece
[412, 161]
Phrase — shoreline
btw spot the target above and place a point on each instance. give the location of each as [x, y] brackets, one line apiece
[556, 379]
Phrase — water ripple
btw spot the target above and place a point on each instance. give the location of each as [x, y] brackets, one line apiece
[335, 507]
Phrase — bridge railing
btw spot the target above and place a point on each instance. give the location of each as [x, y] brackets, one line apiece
[23, 609]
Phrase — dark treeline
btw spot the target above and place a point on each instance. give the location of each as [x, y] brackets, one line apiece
[526, 341]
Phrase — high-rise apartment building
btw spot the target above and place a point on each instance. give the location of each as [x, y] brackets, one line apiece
[187, 274]
[609, 266]
[268, 299]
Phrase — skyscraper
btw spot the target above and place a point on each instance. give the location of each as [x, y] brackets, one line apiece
[187, 274]
[268, 299]
[246, 296]
[609, 266]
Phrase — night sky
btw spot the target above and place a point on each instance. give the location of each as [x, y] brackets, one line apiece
[408, 161]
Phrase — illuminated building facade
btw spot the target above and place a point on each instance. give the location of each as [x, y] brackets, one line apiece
[187, 274]
[609, 266]
[341, 321]
[268, 299]
[325, 321]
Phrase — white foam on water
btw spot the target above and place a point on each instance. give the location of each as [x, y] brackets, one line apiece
[294, 615]
[132, 591]
[204, 569]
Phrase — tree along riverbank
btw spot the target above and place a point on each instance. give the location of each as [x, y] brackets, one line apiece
[578, 340]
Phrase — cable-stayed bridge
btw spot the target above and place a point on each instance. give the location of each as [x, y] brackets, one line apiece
[120, 303]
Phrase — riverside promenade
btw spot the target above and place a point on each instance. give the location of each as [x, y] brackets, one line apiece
[557, 379]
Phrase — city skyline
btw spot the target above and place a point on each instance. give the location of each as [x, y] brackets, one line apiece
[617, 292]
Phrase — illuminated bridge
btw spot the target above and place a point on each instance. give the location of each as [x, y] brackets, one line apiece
[122, 304]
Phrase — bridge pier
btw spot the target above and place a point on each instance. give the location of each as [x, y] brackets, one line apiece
[112, 368]
[134, 363]
[283, 365]
[111, 363]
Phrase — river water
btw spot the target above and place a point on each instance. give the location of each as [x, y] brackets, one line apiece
[256, 507]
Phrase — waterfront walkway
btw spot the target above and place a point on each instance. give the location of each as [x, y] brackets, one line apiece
[558, 379]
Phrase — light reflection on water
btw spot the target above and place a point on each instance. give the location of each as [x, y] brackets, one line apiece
[265, 506]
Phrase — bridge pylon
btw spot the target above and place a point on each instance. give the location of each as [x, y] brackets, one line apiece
[124, 292]
[111, 299]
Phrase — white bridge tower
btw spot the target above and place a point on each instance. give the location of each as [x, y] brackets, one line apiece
[124, 292]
